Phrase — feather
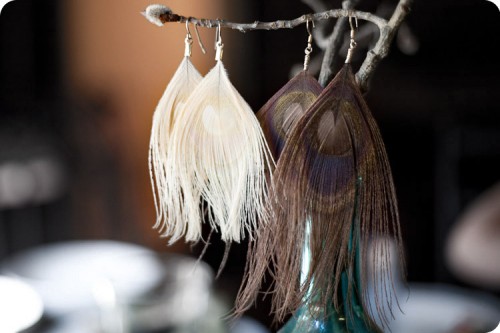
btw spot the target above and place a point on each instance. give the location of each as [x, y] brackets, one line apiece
[281, 113]
[163, 178]
[277, 118]
[221, 153]
[334, 175]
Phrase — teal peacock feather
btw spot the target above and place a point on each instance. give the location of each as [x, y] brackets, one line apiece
[313, 318]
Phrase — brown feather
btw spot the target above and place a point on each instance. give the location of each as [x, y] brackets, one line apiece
[277, 118]
[282, 112]
[333, 163]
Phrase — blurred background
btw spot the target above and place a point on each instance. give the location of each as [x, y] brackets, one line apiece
[79, 83]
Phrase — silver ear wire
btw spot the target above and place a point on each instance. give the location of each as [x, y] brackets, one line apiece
[218, 43]
[309, 48]
[199, 39]
[352, 44]
[188, 41]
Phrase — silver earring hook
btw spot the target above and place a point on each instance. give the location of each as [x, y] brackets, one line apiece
[309, 31]
[218, 43]
[309, 48]
[188, 42]
[356, 21]
[199, 39]
[187, 28]
[352, 44]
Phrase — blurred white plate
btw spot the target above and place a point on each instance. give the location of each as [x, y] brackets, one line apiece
[67, 274]
[20, 306]
[437, 308]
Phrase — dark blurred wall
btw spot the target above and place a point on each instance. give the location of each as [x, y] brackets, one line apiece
[33, 128]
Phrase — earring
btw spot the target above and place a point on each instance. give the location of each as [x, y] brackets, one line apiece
[220, 152]
[281, 113]
[277, 118]
[163, 178]
[326, 210]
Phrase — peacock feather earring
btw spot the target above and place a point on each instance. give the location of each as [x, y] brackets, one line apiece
[333, 199]
[163, 178]
[281, 113]
[278, 117]
[220, 152]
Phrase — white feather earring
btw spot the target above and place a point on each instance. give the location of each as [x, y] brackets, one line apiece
[220, 152]
[163, 177]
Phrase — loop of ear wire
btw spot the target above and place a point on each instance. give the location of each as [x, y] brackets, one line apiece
[309, 48]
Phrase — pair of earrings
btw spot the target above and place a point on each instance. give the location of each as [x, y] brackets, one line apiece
[332, 207]
[207, 156]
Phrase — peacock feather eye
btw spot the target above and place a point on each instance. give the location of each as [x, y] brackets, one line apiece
[282, 112]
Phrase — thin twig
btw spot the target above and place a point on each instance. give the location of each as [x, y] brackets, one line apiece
[159, 15]
[381, 49]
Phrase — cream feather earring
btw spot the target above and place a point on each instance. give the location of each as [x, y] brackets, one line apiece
[220, 152]
[163, 178]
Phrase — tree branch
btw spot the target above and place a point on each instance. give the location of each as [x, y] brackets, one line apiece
[159, 15]
[381, 49]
